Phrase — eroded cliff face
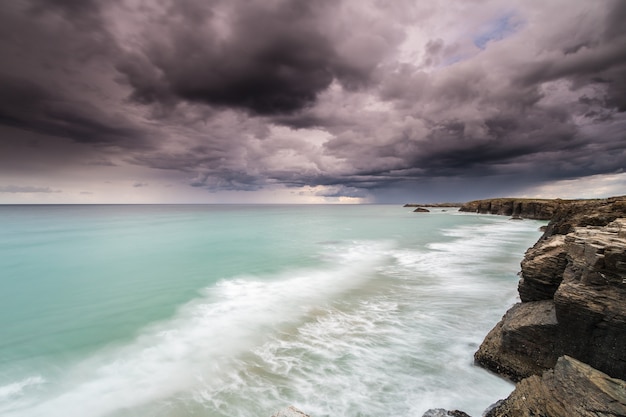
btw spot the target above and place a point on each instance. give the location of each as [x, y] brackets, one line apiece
[538, 209]
[573, 291]
[565, 342]
[571, 389]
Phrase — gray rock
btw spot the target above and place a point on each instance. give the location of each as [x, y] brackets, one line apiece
[541, 209]
[585, 271]
[591, 301]
[523, 343]
[571, 389]
[542, 270]
[440, 412]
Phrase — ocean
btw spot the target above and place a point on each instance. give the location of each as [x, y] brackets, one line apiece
[242, 310]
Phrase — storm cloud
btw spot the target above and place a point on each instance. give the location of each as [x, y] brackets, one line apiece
[364, 100]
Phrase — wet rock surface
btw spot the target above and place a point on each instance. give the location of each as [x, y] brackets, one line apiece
[573, 292]
[572, 389]
[564, 343]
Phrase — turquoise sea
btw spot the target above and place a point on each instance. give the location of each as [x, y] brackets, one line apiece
[239, 311]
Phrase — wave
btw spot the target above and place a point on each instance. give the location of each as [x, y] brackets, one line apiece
[196, 349]
[374, 329]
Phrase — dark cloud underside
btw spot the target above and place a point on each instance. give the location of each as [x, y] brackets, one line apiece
[352, 97]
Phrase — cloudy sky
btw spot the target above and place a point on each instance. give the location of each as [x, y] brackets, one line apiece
[233, 101]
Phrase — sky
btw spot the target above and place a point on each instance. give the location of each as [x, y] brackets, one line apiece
[325, 101]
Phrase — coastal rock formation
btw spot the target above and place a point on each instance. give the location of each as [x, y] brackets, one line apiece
[591, 301]
[522, 343]
[421, 210]
[437, 205]
[581, 213]
[573, 291]
[564, 343]
[440, 412]
[571, 389]
[539, 209]
[542, 270]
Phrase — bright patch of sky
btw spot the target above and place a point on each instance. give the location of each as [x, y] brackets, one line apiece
[497, 29]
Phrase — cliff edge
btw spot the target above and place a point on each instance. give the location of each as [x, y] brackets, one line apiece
[537, 209]
[567, 335]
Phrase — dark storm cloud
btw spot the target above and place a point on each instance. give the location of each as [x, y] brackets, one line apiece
[36, 108]
[351, 97]
[275, 58]
[596, 59]
[50, 82]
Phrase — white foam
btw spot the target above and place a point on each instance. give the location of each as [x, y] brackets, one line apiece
[12, 394]
[375, 330]
[194, 351]
[17, 388]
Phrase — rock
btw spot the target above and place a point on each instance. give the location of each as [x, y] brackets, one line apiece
[564, 344]
[591, 301]
[421, 210]
[542, 270]
[571, 389]
[523, 343]
[290, 411]
[439, 205]
[539, 209]
[573, 292]
[581, 213]
[440, 412]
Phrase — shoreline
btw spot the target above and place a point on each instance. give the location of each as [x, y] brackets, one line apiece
[563, 343]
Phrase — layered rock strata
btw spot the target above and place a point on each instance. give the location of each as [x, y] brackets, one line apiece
[573, 291]
[539, 209]
[564, 343]
[571, 389]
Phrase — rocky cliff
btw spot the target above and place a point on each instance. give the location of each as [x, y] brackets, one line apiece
[571, 389]
[568, 334]
[539, 209]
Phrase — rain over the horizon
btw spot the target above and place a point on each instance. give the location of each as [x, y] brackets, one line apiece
[293, 101]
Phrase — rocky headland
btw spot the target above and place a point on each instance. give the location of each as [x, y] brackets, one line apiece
[436, 205]
[538, 209]
[564, 343]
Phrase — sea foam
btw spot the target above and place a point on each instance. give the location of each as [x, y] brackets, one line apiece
[381, 321]
[196, 351]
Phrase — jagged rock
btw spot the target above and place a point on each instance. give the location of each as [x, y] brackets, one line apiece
[421, 210]
[522, 343]
[440, 412]
[586, 316]
[542, 270]
[591, 301]
[581, 213]
[571, 389]
[290, 411]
